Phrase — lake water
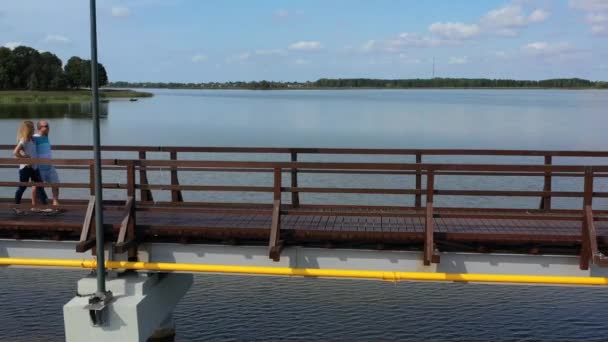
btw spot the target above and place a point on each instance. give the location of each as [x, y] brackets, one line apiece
[253, 308]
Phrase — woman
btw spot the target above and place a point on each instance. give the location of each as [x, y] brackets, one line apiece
[26, 148]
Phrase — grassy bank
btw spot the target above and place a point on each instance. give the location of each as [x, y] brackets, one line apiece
[66, 96]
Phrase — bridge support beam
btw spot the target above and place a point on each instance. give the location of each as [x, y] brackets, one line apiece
[140, 311]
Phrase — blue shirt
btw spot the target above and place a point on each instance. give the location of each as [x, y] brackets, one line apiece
[43, 149]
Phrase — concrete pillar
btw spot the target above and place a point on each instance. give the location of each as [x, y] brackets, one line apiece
[141, 309]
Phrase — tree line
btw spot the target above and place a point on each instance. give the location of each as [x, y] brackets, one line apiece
[25, 68]
[348, 83]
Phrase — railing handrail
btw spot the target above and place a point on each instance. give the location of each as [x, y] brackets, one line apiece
[351, 151]
[314, 165]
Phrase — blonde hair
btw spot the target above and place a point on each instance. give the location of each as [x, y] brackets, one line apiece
[25, 131]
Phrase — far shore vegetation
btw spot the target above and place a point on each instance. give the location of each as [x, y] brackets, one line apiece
[30, 76]
[367, 83]
[66, 96]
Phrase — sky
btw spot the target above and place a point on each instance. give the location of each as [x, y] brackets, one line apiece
[299, 40]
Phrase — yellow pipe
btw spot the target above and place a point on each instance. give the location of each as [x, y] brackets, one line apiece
[311, 272]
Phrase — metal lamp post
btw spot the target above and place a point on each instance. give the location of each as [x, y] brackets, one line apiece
[102, 298]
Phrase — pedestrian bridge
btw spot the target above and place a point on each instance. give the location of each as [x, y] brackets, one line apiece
[157, 232]
[287, 236]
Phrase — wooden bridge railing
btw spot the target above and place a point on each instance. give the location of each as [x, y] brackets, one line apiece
[176, 194]
[127, 240]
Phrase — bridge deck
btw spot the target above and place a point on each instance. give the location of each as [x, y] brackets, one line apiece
[336, 229]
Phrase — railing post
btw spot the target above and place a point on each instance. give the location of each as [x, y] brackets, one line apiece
[145, 194]
[176, 195]
[429, 243]
[585, 255]
[130, 179]
[130, 223]
[275, 245]
[588, 186]
[545, 202]
[92, 180]
[295, 195]
[418, 199]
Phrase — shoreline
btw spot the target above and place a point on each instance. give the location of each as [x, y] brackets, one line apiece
[66, 96]
[377, 88]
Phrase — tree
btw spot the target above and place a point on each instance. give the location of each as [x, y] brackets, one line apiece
[26, 68]
[6, 68]
[73, 72]
[27, 62]
[50, 70]
[86, 74]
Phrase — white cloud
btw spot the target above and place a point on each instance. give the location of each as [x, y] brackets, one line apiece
[501, 55]
[538, 16]
[597, 14]
[306, 46]
[508, 16]
[505, 32]
[271, 52]
[589, 5]
[369, 45]
[459, 60]
[598, 23]
[599, 29]
[199, 58]
[597, 18]
[508, 20]
[56, 39]
[239, 58]
[454, 31]
[545, 49]
[301, 62]
[410, 40]
[399, 43]
[121, 11]
[405, 59]
[12, 45]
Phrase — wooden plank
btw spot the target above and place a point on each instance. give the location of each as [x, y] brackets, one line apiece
[545, 203]
[354, 151]
[295, 195]
[92, 180]
[588, 187]
[176, 194]
[144, 194]
[226, 188]
[429, 244]
[275, 245]
[87, 240]
[418, 196]
[352, 191]
[127, 228]
[597, 257]
[131, 182]
[277, 187]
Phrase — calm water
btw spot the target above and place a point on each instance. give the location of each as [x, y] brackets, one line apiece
[531, 119]
[252, 308]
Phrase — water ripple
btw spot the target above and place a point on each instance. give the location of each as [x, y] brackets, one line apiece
[241, 308]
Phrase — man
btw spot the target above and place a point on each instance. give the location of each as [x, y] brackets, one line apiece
[48, 174]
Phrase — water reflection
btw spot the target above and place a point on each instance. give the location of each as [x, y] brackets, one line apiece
[50, 110]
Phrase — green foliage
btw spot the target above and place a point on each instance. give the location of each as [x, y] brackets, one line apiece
[24, 68]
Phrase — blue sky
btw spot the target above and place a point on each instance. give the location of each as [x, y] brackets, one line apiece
[227, 40]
